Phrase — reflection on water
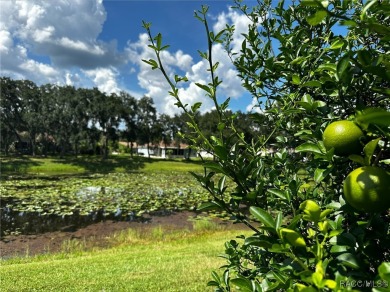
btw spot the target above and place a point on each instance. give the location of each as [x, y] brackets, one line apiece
[92, 193]
[16, 222]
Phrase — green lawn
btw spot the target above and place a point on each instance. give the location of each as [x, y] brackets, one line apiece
[181, 262]
[92, 164]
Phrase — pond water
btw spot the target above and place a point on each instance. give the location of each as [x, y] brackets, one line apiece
[40, 204]
[16, 222]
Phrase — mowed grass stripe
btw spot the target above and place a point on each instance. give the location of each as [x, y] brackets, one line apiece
[182, 264]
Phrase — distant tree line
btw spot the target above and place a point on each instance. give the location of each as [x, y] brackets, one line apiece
[53, 119]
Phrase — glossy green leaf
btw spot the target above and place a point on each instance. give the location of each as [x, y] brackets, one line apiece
[212, 284]
[204, 87]
[152, 63]
[296, 79]
[216, 277]
[158, 40]
[349, 23]
[221, 152]
[196, 106]
[357, 158]
[328, 67]
[279, 193]
[317, 17]
[339, 249]
[279, 276]
[312, 83]
[180, 78]
[164, 47]
[344, 239]
[221, 184]
[315, 3]
[369, 150]
[256, 241]
[330, 284]
[305, 105]
[349, 260]
[279, 248]
[321, 174]
[297, 61]
[302, 288]
[364, 57]
[317, 279]
[379, 28]
[384, 271]
[376, 116]
[307, 98]
[385, 91]
[279, 220]
[242, 283]
[325, 213]
[209, 206]
[263, 216]
[366, 8]
[342, 66]
[319, 103]
[226, 277]
[225, 104]
[308, 147]
[337, 44]
[383, 288]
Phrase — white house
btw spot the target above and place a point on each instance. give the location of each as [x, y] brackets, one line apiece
[164, 151]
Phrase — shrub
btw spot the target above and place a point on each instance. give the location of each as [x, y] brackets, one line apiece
[304, 76]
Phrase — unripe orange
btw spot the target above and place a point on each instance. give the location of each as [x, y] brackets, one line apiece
[344, 136]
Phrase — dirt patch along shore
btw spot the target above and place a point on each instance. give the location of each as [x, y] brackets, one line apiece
[96, 234]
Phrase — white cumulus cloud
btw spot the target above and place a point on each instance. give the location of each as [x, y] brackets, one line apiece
[104, 78]
[183, 64]
[64, 33]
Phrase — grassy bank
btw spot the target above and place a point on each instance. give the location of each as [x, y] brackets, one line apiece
[91, 164]
[178, 261]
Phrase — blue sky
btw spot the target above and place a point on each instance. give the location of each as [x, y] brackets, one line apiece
[100, 43]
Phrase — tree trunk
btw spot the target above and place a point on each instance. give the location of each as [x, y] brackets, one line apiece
[131, 149]
[6, 146]
[32, 143]
[62, 153]
[45, 145]
[105, 145]
[76, 148]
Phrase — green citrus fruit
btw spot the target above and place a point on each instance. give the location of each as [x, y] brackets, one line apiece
[368, 189]
[344, 136]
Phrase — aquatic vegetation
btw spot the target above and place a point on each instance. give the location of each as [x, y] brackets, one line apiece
[74, 199]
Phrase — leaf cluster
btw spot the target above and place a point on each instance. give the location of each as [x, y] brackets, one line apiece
[307, 64]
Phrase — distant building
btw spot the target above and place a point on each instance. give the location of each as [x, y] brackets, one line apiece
[163, 151]
[174, 151]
